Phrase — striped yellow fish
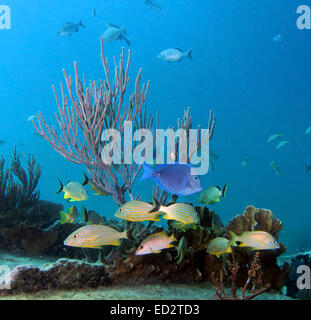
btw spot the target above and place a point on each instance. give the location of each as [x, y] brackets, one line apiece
[257, 240]
[95, 236]
[218, 246]
[73, 190]
[182, 212]
[138, 211]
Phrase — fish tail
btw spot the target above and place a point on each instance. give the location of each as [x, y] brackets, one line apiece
[81, 24]
[84, 214]
[224, 190]
[189, 54]
[148, 172]
[233, 238]
[61, 186]
[156, 205]
[64, 217]
[172, 238]
[86, 179]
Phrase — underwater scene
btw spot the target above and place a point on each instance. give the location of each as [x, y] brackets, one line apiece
[155, 150]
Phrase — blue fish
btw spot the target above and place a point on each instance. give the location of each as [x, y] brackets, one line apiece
[175, 178]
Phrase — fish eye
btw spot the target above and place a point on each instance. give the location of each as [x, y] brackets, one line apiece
[141, 247]
[120, 209]
[195, 178]
[75, 236]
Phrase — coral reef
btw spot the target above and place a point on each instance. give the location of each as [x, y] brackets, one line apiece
[187, 263]
[19, 192]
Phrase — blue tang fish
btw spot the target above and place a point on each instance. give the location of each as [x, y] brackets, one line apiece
[175, 178]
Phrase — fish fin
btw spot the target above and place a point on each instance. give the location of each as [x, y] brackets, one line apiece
[156, 251]
[115, 243]
[170, 246]
[156, 219]
[218, 199]
[81, 24]
[86, 179]
[172, 238]
[148, 172]
[84, 214]
[63, 217]
[165, 216]
[189, 54]
[61, 186]
[224, 190]
[66, 196]
[233, 238]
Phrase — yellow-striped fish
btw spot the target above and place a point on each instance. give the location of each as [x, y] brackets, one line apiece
[73, 190]
[257, 240]
[70, 216]
[95, 236]
[219, 246]
[155, 243]
[98, 191]
[136, 210]
[182, 212]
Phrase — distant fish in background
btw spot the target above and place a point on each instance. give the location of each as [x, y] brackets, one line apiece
[308, 167]
[175, 178]
[69, 216]
[91, 217]
[2, 142]
[274, 137]
[31, 118]
[97, 190]
[278, 37]
[74, 191]
[155, 243]
[244, 162]
[174, 55]
[152, 5]
[274, 165]
[114, 32]
[281, 144]
[308, 130]
[94, 13]
[95, 236]
[69, 28]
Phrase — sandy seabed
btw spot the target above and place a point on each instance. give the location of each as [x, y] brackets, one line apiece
[202, 291]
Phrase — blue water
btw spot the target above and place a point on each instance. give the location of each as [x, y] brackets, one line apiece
[255, 87]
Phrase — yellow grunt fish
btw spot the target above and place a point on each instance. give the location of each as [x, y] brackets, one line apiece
[138, 211]
[257, 240]
[182, 212]
[155, 243]
[95, 236]
[218, 246]
[74, 191]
